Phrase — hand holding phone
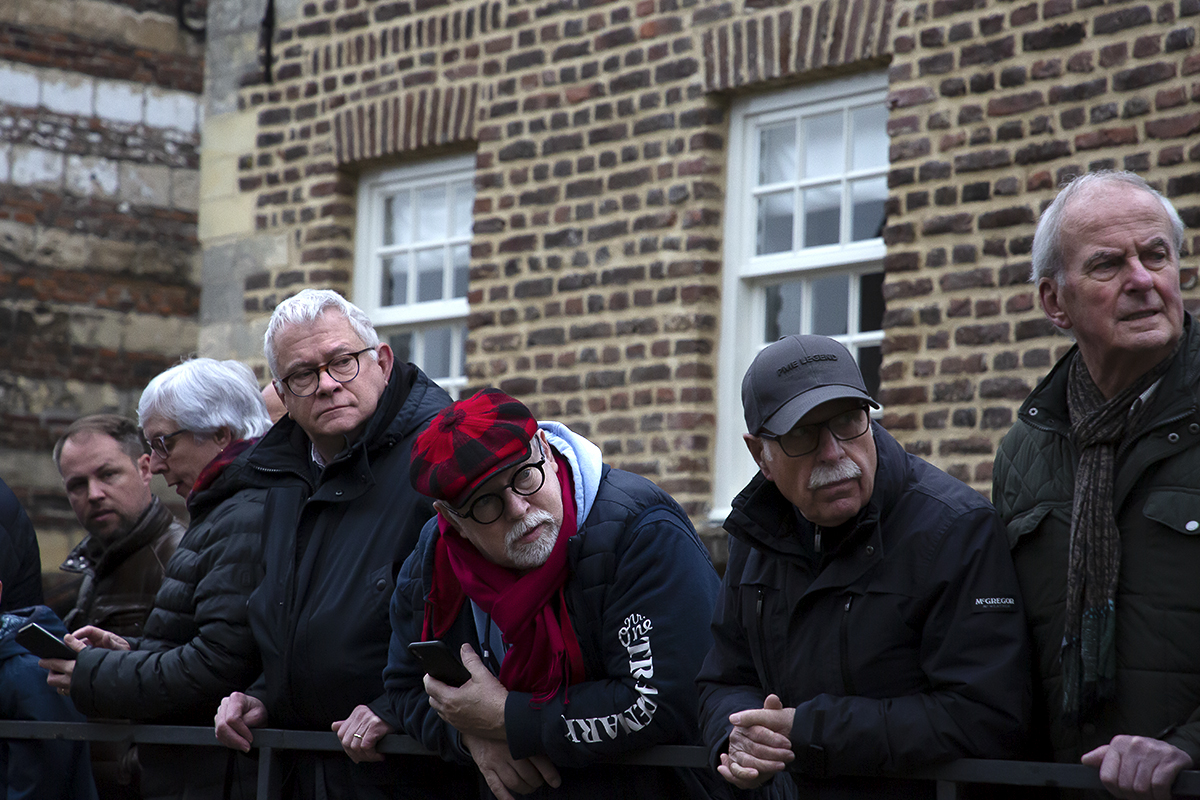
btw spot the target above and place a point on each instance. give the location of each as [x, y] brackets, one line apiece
[439, 662]
[42, 643]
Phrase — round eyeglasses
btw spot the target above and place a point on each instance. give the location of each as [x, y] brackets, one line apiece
[343, 369]
[159, 446]
[804, 439]
[488, 508]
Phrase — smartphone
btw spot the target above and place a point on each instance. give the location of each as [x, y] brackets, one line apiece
[439, 662]
[42, 643]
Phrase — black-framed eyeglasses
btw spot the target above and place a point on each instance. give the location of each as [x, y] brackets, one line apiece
[804, 439]
[526, 481]
[159, 443]
[343, 369]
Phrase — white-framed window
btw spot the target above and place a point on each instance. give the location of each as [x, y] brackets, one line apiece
[804, 215]
[411, 262]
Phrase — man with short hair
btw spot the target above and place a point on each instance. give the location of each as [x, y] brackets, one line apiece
[869, 619]
[131, 535]
[339, 522]
[1097, 483]
[576, 595]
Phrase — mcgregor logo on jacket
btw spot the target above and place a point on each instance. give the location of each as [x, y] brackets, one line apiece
[634, 636]
[995, 604]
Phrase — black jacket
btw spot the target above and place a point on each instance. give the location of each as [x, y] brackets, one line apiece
[20, 560]
[332, 548]
[198, 647]
[904, 647]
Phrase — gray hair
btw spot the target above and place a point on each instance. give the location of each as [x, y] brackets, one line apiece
[1047, 239]
[203, 395]
[304, 308]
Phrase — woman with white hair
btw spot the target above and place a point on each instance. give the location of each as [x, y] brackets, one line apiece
[200, 418]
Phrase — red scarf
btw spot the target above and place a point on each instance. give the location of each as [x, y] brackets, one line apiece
[220, 461]
[544, 652]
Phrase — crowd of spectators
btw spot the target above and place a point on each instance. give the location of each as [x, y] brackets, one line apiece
[366, 556]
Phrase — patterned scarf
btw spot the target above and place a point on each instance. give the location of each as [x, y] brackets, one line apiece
[213, 469]
[1101, 429]
[530, 609]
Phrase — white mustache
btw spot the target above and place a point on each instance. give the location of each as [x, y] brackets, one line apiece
[530, 521]
[823, 475]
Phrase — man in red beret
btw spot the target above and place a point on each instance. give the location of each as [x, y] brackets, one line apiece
[577, 596]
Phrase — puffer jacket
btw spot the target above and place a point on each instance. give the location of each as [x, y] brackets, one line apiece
[903, 647]
[333, 544]
[640, 592]
[1157, 505]
[20, 559]
[198, 647]
[121, 578]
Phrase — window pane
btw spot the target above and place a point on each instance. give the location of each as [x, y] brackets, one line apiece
[462, 262]
[397, 219]
[777, 153]
[867, 198]
[830, 304]
[436, 359]
[870, 302]
[822, 215]
[402, 346]
[870, 359]
[464, 199]
[870, 146]
[429, 274]
[394, 291]
[432, 213]
[824, 150]
[783, 310]
[775, 223]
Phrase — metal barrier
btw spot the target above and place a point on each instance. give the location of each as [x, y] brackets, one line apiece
[268, 741]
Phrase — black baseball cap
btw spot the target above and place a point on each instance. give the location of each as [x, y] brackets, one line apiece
[793, 376]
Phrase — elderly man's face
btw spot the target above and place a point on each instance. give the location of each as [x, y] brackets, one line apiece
[829, 485]
[107, 489]
[334, 411]
[528, 527]
[1119, 289]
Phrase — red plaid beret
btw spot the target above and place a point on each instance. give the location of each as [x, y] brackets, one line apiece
[468, 442]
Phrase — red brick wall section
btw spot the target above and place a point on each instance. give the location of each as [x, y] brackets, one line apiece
[994, 104]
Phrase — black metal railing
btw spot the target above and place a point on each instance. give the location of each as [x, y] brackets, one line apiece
[269, 741]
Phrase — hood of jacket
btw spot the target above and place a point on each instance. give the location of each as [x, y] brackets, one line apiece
[768, 522]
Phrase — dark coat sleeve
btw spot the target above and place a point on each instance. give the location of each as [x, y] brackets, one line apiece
[20, 559]
[198, 646]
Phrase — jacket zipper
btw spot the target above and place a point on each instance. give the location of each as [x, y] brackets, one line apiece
[762, 642]
[847, 677]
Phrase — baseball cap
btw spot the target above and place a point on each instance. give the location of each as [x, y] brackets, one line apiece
[468, 442]
[794, 375]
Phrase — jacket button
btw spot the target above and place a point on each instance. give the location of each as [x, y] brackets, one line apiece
[870, 549]
[1033, 412]
[1193, 428]
[1192, 525]
[338, 493]
[1172, 437]
[381, 584]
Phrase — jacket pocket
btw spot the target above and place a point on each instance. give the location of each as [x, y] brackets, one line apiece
[1177, 509]
[1027, 522]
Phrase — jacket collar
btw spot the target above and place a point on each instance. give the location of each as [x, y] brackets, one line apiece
[96, 556]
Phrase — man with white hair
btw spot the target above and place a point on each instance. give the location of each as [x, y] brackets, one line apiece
[869, 619]
[1097, 483]
[341, 521]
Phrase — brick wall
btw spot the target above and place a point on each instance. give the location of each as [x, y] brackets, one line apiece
[994, 105]
[600, 134]
[99, 124]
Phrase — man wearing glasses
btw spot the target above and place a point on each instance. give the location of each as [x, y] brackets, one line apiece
[340, 520]
[869, 619]
[576, 595]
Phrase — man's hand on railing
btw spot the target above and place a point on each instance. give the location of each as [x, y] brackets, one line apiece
[1138, 767]
[360, 732]
[504, 773]
[237, 714]
[759, 744]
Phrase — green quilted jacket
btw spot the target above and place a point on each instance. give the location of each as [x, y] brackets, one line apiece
[1157, 505]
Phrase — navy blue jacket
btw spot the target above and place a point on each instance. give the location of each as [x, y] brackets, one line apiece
[905, 646]
[20, 560]
[640, 590]
[51, 769]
